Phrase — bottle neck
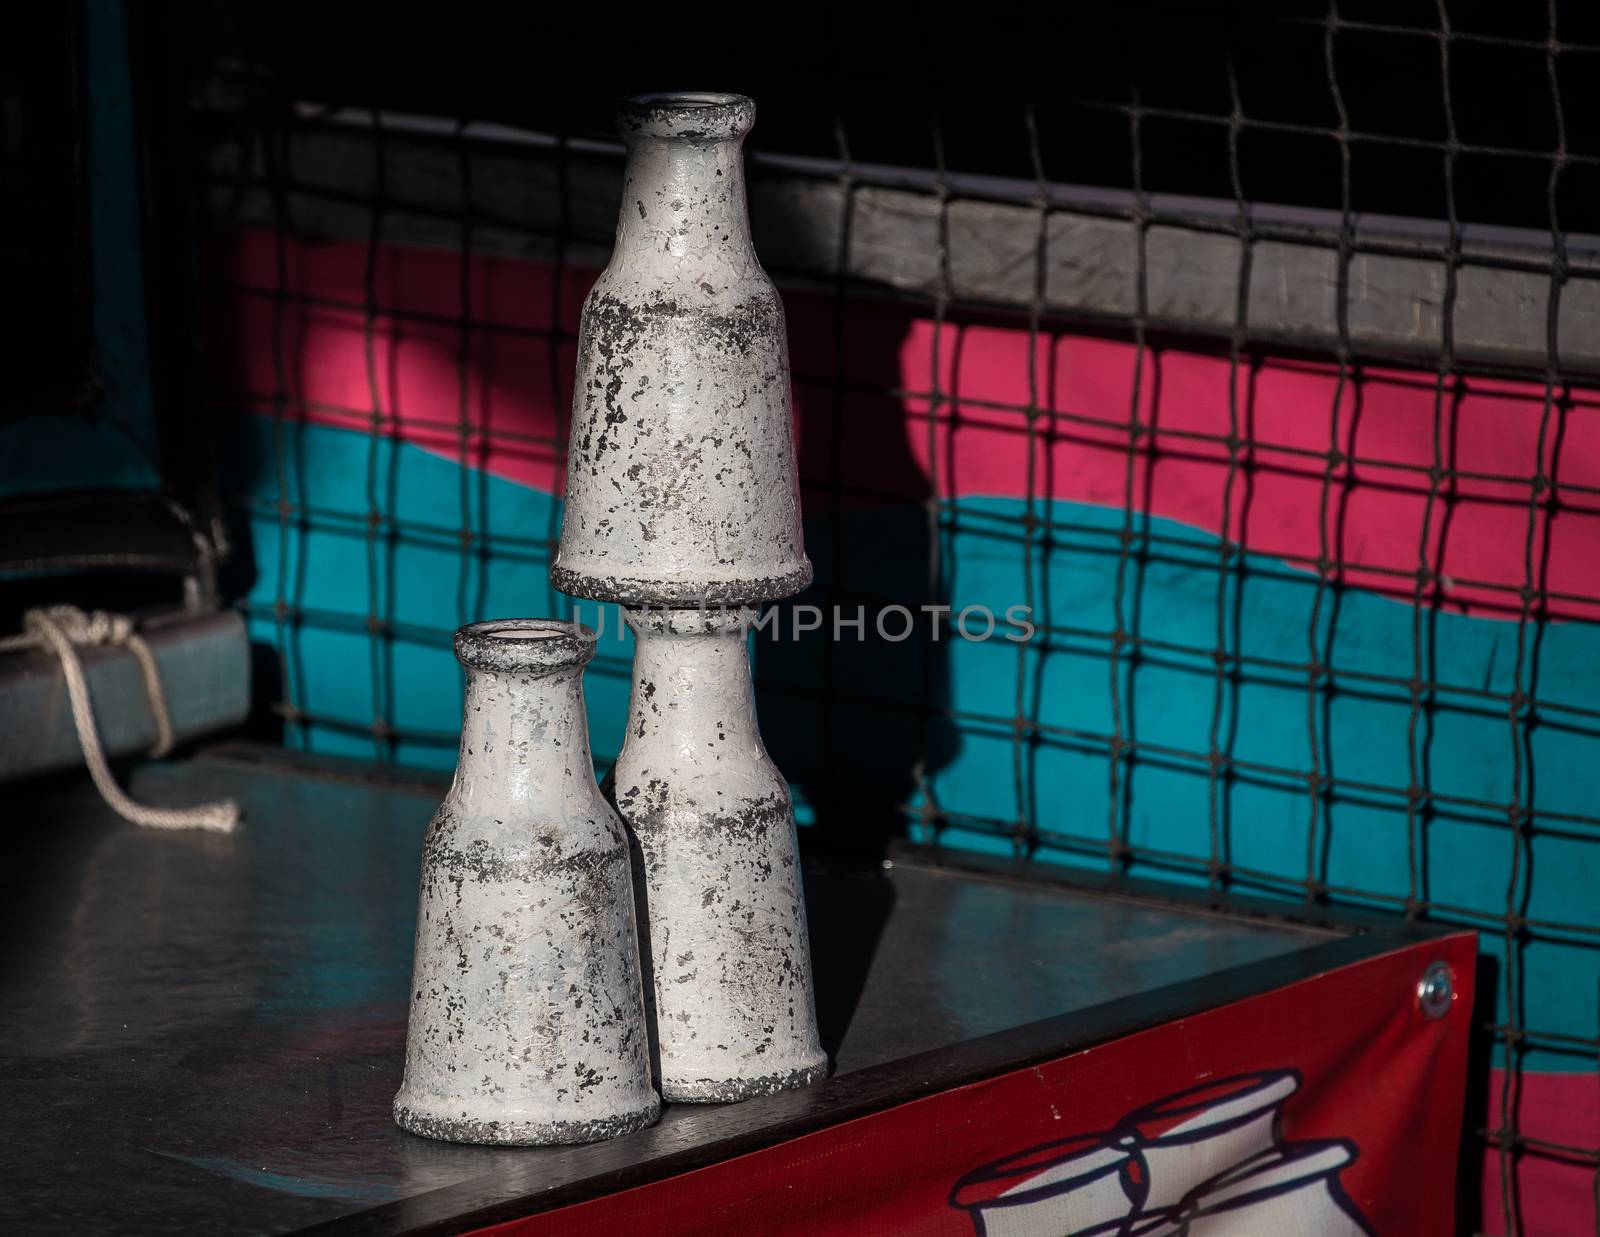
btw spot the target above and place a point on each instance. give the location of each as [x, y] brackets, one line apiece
[523, 733]
[685, 201]
[693, 689]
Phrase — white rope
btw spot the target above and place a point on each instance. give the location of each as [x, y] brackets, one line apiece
[61, 629]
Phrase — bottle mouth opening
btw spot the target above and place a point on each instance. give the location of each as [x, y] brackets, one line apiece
[524, 645]
[689, 115]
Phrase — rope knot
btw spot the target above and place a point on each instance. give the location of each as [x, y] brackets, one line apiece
[62, 630]
[98, 628]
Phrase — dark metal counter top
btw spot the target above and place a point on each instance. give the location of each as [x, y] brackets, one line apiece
[203, 1032]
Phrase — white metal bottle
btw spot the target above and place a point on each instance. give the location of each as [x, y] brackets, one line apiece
[527, 1020]
[681, 482]
[716, 866]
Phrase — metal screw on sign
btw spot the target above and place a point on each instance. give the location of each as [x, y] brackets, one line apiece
[1436, 991]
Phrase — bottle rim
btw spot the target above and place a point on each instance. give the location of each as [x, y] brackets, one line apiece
[524, 646]
[687, 115]
[712, 620]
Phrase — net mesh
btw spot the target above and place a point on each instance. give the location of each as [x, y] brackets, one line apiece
[1191, 155]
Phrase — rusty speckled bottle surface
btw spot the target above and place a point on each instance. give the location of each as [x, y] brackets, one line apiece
[527, 1007]
[716, 866]
[681, 481]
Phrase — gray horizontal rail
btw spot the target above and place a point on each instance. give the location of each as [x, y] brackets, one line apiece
[532, 197]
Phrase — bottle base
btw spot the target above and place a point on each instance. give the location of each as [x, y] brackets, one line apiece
[456, 1128]
[729, 1090]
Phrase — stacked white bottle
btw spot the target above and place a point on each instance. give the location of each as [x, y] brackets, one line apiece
[682, 504]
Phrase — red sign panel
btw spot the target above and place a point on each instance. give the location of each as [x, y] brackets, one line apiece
[1328, 1108]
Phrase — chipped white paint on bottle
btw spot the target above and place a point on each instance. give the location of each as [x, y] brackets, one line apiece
[716, 865]
[527, 1012]
[681, 482]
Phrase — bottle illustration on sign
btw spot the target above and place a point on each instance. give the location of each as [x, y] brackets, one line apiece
[1202, 1162]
